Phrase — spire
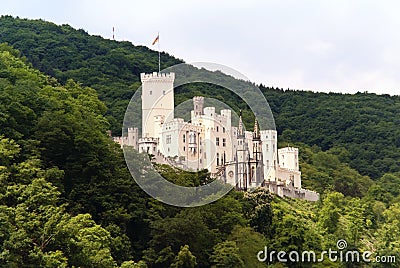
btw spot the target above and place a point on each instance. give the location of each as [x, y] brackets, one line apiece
[240, 128]
[256, 132]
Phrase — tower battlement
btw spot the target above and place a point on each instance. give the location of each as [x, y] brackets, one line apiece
[288, 150]
[245, 159]
[157, 102]
[157, 77]
[198, 105]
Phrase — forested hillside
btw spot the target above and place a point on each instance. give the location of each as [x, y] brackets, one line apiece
[112, 68]
[366, 125]
[67, 198]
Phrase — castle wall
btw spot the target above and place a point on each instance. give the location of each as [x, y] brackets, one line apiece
[157, 101]
[288, 158]
[218, 138]
[289, 176]
[209, 141]
[131, 140]
[269, 140]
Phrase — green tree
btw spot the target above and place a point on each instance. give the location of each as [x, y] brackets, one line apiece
[260, 211]
[132, 264]
[249, 243]
[388, 234]
[187, 228]
[226, 254]
[40, 233]
[331, 211]
[184, 259]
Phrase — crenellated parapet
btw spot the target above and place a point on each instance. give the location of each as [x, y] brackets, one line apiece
[157, 77]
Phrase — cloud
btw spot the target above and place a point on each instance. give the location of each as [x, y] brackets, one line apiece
[320, 48]
[320, 45]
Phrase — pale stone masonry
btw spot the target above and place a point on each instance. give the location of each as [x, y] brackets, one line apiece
[246, 159]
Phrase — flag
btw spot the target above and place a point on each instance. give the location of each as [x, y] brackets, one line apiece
[155, 40]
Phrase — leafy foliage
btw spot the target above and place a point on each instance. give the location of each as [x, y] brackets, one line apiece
[67, 198]
[365, 124]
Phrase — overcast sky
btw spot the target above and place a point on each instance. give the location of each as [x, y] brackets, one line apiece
[321, 45]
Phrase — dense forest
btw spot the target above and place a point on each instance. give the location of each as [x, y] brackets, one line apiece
[68, 200]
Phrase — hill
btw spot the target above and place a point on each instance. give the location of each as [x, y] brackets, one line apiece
[112, 68]
[365, 125]
[67, 198]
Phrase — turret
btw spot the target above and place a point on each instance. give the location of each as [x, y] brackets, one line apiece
[240, 127]
[257, 153]
[242, 157]
[257, 169]
[198, 105]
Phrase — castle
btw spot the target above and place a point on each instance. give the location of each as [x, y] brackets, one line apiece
[245, 159]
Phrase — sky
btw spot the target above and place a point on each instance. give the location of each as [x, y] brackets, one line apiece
[343, 46]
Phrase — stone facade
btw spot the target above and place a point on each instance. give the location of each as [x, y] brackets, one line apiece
[246, 159]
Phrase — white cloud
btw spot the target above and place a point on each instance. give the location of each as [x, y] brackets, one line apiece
[321, 45]
[320, 48]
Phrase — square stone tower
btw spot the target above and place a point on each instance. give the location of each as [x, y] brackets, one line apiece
[157, 102]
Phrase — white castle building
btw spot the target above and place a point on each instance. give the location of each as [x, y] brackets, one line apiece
[246, 159]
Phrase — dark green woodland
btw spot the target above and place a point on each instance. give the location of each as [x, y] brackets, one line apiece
[67, 198]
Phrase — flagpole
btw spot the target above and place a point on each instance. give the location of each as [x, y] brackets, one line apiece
[159, 55]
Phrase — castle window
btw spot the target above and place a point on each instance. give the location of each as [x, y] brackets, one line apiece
[217, 141]
[168, 140]
[163, 92]
[224, 142]
[151, 92]
[217, 128]
[184, 148]
[217, 159]
[184, 138]
[223, 130]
